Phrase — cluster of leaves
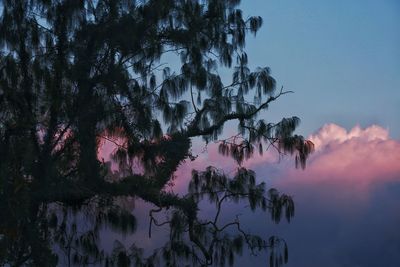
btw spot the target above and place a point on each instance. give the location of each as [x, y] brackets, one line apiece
[213, 238]
[74, 73]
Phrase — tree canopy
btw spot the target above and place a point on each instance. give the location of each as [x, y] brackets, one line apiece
[74, 73]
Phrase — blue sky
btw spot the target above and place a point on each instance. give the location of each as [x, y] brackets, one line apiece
[340, 57]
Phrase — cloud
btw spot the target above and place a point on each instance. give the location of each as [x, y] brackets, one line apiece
[334, 134]
[353, 160]
[358, 158]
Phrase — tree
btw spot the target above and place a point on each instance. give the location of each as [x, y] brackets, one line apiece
[76, 72]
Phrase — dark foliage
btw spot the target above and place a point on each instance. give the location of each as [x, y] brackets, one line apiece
[76, 72]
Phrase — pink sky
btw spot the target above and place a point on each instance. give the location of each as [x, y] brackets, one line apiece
[352, 160]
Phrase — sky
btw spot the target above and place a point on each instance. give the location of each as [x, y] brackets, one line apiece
[341, 58]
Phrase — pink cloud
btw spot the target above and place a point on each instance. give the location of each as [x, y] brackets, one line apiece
[346, 164]
[357, 155]
[334, 134]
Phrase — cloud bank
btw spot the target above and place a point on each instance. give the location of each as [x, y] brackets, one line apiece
[354, 160]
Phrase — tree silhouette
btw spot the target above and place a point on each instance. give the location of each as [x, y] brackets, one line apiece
[74, 73]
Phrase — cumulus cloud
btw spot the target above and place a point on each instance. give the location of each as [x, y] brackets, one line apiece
[334, 134]
[358, 156]
[362, 156]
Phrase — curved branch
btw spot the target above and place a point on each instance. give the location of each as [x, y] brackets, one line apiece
[194, 131]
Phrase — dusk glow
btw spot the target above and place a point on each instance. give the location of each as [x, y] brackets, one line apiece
[200, 133]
